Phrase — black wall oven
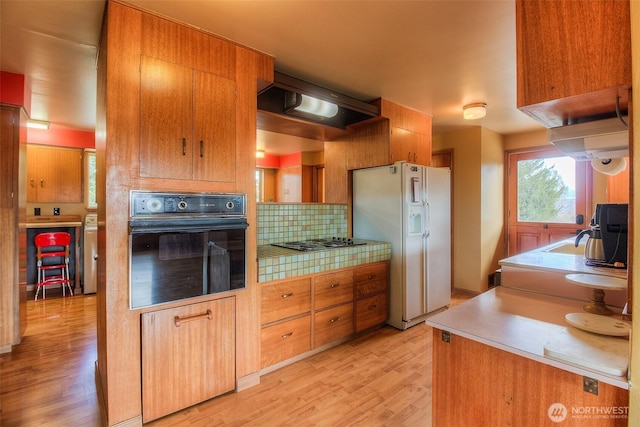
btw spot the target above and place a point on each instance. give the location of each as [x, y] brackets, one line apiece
[185, 245]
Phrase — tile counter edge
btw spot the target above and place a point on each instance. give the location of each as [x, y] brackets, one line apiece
[275, 263]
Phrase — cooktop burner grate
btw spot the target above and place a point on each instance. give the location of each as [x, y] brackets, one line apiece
[320, 244]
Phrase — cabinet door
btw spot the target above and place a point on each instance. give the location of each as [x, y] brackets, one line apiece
[285, 299]
[41, 174]
[54, 174]
[285, 340]
[410, 146]
[371, 279]
[332, 289]
[68, 176]
[333, 324]
[188, 356]
[166, 111]
[9, 159]
[214, 128]
[371, 312]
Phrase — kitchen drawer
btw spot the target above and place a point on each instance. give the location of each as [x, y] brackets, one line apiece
[371, 279]
[333, 289]
[285, 340]
[333, 324]
[371, 311]
[285, 299]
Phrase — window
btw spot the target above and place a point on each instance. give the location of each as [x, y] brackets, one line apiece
[548, 198]
[259, 185]
[90, 179]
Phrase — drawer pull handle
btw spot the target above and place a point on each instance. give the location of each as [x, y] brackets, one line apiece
[42, 183]
[178, 320]
[33, 184]
[184, 146]
[287, 335]
[372, 307]
[371, 276]
[334, 320]
[201, 149]
[334, 285]
[290, 294]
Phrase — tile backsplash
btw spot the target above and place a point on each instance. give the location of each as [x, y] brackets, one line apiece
[286, 222]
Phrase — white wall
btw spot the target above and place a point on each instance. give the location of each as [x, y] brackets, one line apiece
[477, 206]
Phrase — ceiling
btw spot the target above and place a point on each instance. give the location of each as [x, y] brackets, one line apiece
[432, 56]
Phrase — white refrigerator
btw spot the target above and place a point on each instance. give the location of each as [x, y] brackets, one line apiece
[409, 206]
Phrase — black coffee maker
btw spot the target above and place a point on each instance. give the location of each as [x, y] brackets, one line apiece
[613, 219]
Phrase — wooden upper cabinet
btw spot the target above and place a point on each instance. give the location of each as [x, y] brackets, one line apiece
[9, 142]
[188, 127]
[573, 58]
[410, 138]
[54, 174]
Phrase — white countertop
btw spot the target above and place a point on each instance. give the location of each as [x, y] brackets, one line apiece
[519, 322]
[541, 259]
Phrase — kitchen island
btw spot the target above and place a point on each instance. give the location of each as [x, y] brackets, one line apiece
[509, 356]
[489, 358]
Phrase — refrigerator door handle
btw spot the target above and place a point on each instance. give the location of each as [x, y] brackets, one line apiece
[427, 219]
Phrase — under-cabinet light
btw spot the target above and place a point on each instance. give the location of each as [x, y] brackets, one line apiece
[260, 154]
[38, 124]
[317, 107]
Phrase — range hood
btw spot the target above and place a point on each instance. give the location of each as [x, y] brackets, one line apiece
[289, 96]
[600, 139]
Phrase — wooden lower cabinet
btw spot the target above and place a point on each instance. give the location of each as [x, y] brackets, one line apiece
[333, 324]
[284, 340]
[188, 356]
[372, 295]
[475, 384]
[300, 315]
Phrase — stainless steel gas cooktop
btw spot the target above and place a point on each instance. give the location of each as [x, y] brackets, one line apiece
[320, 244]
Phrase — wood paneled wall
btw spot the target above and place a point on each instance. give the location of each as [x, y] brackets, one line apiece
[129, 33]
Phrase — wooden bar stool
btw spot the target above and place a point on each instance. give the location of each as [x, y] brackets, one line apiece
[52, 255]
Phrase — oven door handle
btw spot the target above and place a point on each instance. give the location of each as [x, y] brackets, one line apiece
[190, 225]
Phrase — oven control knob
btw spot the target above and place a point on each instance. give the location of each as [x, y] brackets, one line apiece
[154, 205]
[230, 205]
[182, 205]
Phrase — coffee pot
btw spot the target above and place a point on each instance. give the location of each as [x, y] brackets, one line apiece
[594, 249]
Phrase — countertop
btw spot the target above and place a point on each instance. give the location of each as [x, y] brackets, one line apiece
[542, 259]
[51, 221]
[519, 322]
[275, 263]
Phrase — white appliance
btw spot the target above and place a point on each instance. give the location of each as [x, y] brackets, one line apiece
[409, 206]
[90, 253]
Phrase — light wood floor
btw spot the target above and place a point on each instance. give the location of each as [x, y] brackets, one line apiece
[380, 379]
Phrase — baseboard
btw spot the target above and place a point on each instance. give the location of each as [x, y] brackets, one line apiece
[247, 381]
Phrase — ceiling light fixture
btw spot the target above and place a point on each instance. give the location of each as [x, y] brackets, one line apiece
[38, 124]
[474, 111]
[260, 154]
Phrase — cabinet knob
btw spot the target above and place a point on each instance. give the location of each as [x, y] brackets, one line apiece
[33, 183]
[42, 183]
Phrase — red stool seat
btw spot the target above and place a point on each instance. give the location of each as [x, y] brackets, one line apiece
[52, 256]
